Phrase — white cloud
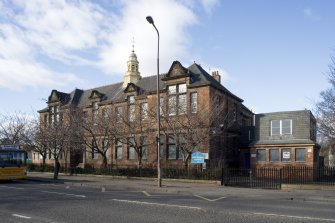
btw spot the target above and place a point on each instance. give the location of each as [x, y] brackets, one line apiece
[16, 75]
[174, 40]
[61, 29]
[36, 34]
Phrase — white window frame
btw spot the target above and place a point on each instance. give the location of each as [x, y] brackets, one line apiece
[281, 127]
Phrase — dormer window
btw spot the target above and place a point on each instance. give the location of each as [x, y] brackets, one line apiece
[54, 114]
[177, 99]
[281, 127]
[182, 88]
[131, 99]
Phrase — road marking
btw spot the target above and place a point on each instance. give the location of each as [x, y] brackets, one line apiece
[146, 193]
[21, 216]
[18, 188]
[209, 199]
[157, 204]
[75, 195]
[297, 217]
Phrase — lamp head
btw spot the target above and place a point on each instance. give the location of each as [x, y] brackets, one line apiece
[150, 20]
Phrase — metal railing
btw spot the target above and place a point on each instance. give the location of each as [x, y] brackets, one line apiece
[267, 177]
[273, 178]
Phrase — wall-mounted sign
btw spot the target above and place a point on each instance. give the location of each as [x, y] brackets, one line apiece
[286, 155]
[197, 157]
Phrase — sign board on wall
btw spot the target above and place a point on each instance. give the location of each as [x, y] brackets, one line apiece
[286, 155]
[197, 157]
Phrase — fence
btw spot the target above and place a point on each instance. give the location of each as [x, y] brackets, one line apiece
[194, 172]
[273, 178]
[269, 178]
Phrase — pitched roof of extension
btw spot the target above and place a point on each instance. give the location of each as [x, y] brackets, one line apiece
[147, 85]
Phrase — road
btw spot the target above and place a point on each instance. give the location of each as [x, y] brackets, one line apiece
[31, 201]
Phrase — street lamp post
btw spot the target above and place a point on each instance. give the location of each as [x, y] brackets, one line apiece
[159, 174]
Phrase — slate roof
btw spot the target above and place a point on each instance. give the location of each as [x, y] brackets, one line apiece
[201, 77]
[147, 85]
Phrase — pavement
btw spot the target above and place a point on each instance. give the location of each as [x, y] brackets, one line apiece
[187, 187]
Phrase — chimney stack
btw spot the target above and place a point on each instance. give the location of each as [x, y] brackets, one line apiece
[216, 76]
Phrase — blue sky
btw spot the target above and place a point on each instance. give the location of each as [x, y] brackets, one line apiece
[272, 54]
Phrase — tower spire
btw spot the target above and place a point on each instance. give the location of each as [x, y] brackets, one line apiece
[133, 44]
[132, 74]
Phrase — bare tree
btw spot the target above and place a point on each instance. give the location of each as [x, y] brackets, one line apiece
[325, 111]
[98, 133]
[39, 143]
[132, 129]
[60, 135]
[189, 132]
[16, 128]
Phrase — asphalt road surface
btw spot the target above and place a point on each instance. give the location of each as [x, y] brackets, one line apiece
[35, 202]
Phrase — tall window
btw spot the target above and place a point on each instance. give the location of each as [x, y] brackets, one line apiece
[118, 150]
[274, 155]
[286, 127]
[161, 144]
[105, 145]
[144, 144]
[172, 149]
[194, 102]
[281, 127]
[57, 115]
[161, 106]
[54, 115]
[175, 152]
[182, 143]
[261, 155]
[144, 111]
[85, 117]
[131, 149]
[105, 113]
[94, 150]
[275, 127]
[131, 108]
[45, 120]
[177, 99]
[95, 113]
[118, 114]
[300, 155]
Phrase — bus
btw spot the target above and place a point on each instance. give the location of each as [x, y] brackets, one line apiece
[13, 162]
